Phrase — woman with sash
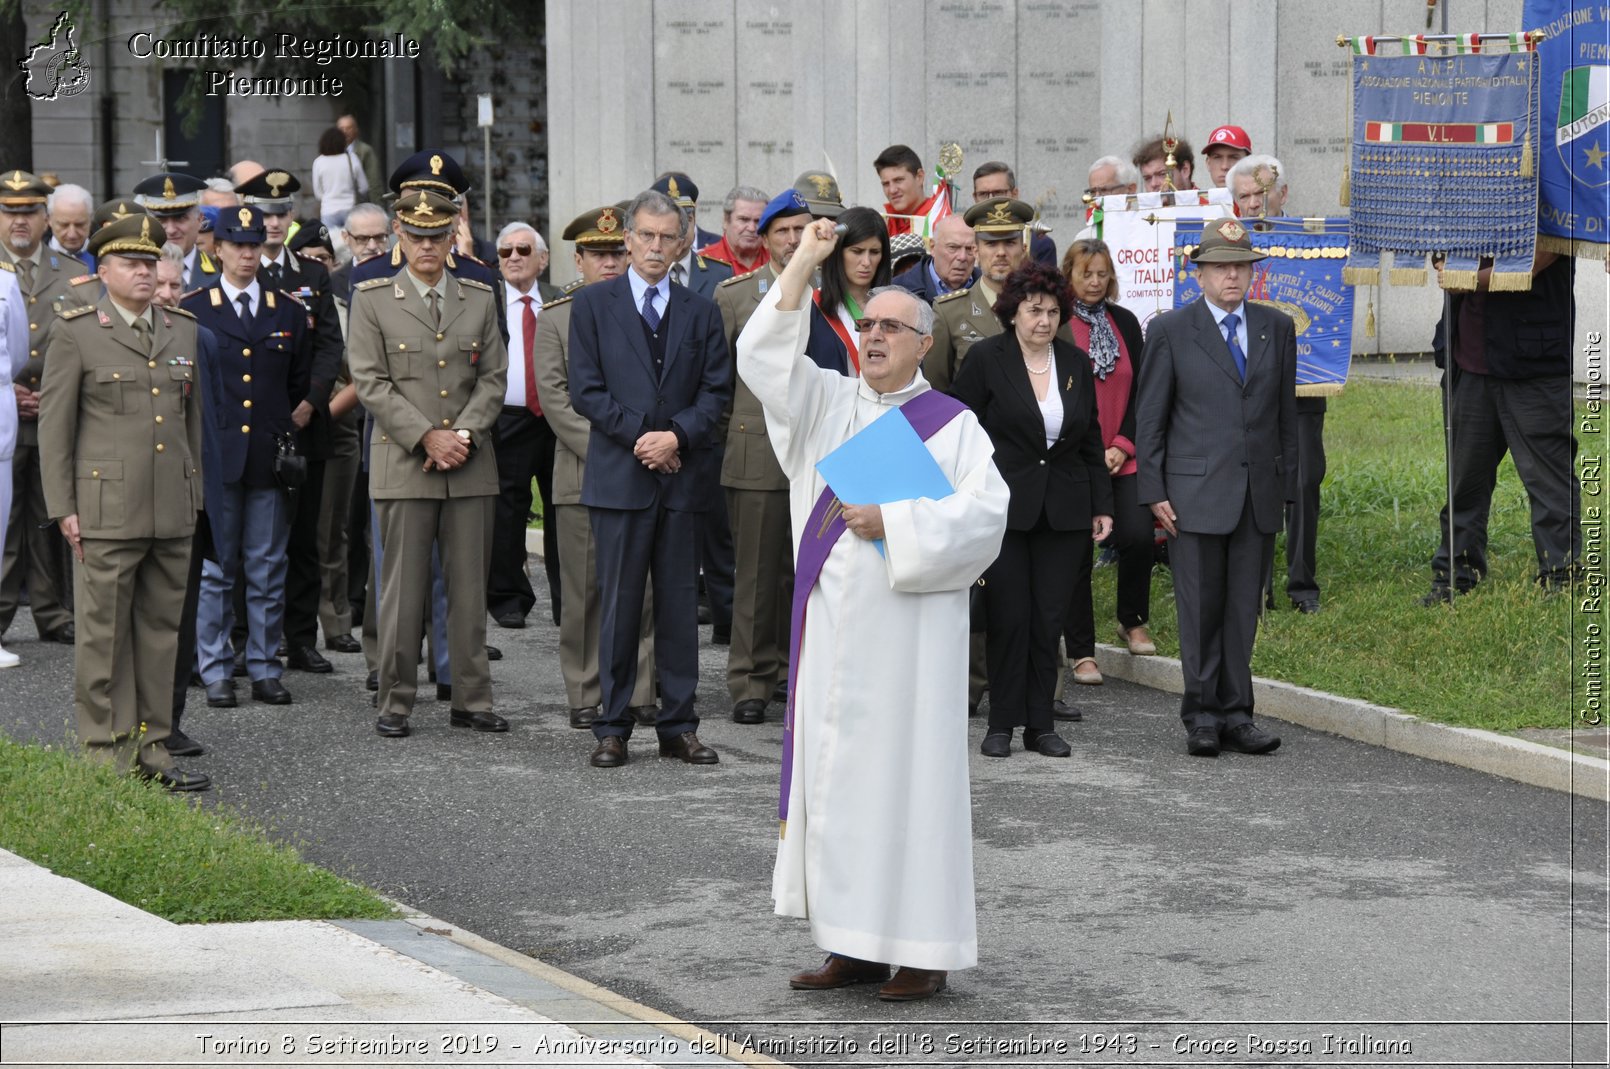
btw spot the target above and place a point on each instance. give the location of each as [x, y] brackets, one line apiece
[860, 262]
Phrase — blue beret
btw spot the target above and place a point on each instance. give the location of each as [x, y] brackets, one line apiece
[788, 202]
[209, 218]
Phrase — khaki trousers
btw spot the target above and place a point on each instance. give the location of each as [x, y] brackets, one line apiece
[763, 589]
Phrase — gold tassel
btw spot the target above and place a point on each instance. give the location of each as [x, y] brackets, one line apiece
[1407, 276]
[1509, 281]
[1361, 276]
[1458, 280]
[1369, 321]
[1346, 197]
[1319, 389]
[1526, 155]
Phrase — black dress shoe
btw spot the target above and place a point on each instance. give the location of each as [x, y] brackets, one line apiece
[63, 633]
[689, 749]
[721, 636]
[479, 721]
[750, 711]
[998, 744]
[704, 612]
[393, 726]
[1249, 738]
[779, 693]
[1202, 742]
[1440, 595]
[181, 745]
[1306, 606]
[308, 659]
[221, 695]
[1061, 710]
[176, 779]
[283, 648]
[239, 671]
[444, 692]
[583, 718]
[494, 654]
[343, 644]
[610, 752]
[644, 714]
[195, 681]
[514, 621]
[373, 682]
[1047, 744]
[270, 692]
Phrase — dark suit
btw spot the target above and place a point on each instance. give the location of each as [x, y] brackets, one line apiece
[1216, 448]
[645, 522]
[1056, 490]
[704, 275]
[919, 281]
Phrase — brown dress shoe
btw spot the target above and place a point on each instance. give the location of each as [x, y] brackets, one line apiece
[610, 753]
[840, 971]
[909, 985]
[688, 747]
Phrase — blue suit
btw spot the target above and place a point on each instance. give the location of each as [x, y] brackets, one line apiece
[646, 522]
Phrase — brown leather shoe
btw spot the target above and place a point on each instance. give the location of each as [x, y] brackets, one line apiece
[688, 747]
[610, 753]
[910, 985]
[840, 971]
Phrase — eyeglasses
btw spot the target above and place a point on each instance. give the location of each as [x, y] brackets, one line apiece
[890, 327]
[509, 250]
[1107, 191]
[365, 239]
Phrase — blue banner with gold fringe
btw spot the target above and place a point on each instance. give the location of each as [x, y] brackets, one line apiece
[1443, 161]
[1302, 277]
[1573, 214]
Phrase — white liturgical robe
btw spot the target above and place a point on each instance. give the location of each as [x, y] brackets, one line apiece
[877, 847]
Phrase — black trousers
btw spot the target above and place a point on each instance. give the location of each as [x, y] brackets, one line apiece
[302, 580]
[1133, 537]
[633, 546]
[359, 574]
[1026, 592]
[1218, 584]
[525, 445]
[718, 559]
[1531, 420]
[185, 662]
[1302, 516]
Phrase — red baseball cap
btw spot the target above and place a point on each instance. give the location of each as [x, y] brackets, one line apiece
[1233, 136]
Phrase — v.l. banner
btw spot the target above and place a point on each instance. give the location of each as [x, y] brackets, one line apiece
[1139, 231]
[1573, 214]
[1301, 277]
[1443, 163]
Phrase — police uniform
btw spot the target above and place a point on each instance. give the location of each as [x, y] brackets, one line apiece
[51, 283]
[419, 371]
[261, 368]
[967, 316]
[580, 610]
[120, 434]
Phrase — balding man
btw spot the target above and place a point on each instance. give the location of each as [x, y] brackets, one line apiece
[951, 265]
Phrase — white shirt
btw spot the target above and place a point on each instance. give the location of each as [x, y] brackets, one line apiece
[640, 286]
[232, 295]
[1241, 324]
[515, 395]
[1051, 413]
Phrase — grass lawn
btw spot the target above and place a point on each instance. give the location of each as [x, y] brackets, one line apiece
[1500, 658]
[166, 855]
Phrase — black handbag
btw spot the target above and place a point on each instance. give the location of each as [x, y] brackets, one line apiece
[290, 467]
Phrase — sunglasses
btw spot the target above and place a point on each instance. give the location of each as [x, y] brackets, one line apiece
[509, 250]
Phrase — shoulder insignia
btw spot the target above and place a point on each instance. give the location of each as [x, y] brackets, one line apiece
[573, 285]
[217, 296]
[82, 280]
[293, 298]
[176, 310]
[951, 296]
[191, 293]
[702, 265]
[474, 283]
[268, 299]
[736, 278]
[206, 261]
[467, 258]
[371, 283]
[7, 265]
[557, 301]
[74, 313]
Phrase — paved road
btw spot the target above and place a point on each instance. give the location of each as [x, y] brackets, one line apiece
[1177, 904]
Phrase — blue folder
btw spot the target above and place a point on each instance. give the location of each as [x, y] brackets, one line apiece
[885, 462]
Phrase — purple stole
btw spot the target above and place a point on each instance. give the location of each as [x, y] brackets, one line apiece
[927, 413]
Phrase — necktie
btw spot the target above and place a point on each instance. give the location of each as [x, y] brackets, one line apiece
[679, 274]
[25, 270]
[1231, 322]
[245, 302]
[435, 308]
[528, 336]
[143, 329]
[650, 316]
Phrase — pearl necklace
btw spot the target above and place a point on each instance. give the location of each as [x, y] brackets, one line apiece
[1043, 369]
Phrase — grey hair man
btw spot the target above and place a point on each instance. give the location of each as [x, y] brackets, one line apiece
[69, 208]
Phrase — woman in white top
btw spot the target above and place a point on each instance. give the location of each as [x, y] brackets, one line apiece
[338, 181]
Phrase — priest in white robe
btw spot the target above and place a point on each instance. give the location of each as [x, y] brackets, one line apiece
[876, 843]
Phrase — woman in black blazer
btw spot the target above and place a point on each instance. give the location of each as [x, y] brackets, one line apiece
[1034, 395]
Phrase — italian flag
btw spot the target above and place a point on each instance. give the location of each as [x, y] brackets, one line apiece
[1388, 46]
[1584, 103]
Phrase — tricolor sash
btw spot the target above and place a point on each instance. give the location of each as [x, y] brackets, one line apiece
[928, 413]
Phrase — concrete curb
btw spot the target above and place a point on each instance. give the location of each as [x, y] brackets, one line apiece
[1485, 751]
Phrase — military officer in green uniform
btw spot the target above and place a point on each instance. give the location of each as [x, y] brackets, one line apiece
[120, 443]
[968, 316]
[430, 366]
[600, 239]
[51, 283]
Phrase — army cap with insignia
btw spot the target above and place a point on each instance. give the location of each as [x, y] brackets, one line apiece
[22, 192]
[999, 218]
[1226, 241]
[425, 212]
[271, 191]
[113, 210]
[243, 225]
[679, 187]
[430, 169]
[788, 202]
[138, 237]
[600, 228]
[169, 193]
[821, 192]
